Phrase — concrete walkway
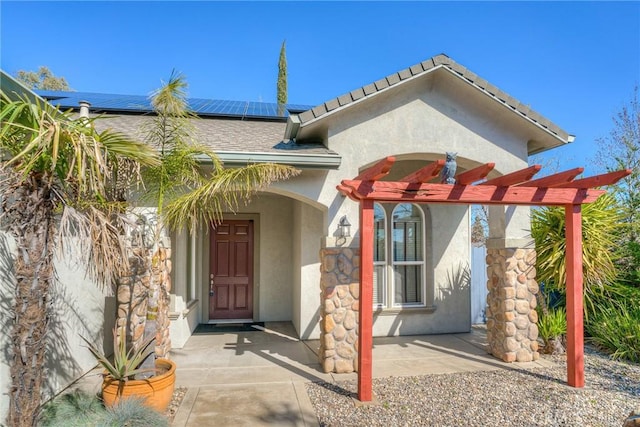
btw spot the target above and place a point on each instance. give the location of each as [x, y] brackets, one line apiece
[258, 378]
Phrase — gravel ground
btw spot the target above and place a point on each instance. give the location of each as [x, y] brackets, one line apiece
[518, 397]
[176, 400]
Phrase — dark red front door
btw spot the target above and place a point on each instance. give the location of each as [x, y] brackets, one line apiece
[231, 271]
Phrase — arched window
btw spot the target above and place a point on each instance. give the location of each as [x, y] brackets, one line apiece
[399, 256]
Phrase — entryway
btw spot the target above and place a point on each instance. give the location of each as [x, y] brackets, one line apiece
[231, 271]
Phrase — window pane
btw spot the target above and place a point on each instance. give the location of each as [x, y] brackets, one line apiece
[378, 285]
[407, 233]
[408, 284]
[380, 233]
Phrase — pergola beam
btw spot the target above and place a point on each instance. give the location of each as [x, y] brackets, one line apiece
[377, 171]
[425, 174]
[388, 191]
[475, 174]
[598, 180]
[513, 178]
[554, 180]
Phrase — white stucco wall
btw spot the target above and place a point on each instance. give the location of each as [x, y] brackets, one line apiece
[273, 267]
[417, 123]
[79, 307]
[308, 269]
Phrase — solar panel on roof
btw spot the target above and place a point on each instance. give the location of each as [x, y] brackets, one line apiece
[200, 106]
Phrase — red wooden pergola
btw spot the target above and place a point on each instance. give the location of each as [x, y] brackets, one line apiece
[516, 188]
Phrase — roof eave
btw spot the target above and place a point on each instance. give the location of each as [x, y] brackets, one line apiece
[16, 90]
[302, 161]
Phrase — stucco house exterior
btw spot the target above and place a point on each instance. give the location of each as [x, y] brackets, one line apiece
[284, 256]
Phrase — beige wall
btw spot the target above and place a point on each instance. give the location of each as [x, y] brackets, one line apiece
[418, 122]
[79, 308]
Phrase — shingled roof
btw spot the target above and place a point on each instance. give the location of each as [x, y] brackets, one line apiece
[441, 61]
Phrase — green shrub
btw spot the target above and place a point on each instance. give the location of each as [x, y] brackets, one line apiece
[79, 409]
[615, 327]
[553, 324]
[600, 225]
[132, 412]
[76, 409]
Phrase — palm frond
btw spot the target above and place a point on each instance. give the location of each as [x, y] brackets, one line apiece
[601, 221]
[223, 191]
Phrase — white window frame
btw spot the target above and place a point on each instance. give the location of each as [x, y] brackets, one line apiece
[388, 285]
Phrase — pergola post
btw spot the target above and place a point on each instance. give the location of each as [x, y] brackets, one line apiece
[574, 286]
[365, 324]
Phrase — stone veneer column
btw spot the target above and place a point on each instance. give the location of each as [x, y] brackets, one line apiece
[512, 329]
[340, 293]
[132, 291]
[162, 273]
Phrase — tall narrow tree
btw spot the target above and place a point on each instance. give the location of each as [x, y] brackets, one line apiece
[282, 78]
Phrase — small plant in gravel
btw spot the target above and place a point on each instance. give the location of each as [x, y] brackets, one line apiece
[552, 327]
[616, 329]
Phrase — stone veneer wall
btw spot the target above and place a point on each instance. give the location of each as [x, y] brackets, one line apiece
[340, 293]
[132, 297]
[512, 329]
[162, 275]
[132, 291]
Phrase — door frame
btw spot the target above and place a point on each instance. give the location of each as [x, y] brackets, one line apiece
[206, 252]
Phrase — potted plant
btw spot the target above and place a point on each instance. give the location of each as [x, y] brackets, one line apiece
[119, 379]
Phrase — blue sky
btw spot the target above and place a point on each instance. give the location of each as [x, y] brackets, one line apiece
[576, 63]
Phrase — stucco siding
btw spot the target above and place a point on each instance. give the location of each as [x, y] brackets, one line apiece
[448, 292]
[79, 308]
[312, 231]
[273, 285]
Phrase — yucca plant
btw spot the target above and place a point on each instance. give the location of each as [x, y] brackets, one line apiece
[552, 327]
[600, 223]
[126, 362]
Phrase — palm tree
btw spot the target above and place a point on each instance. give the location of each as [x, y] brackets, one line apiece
[600, 226]
[57, 184]
[184, 193]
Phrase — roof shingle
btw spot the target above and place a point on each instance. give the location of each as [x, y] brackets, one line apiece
[426, 66]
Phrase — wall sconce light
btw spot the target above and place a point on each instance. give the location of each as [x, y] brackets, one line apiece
[344, 227]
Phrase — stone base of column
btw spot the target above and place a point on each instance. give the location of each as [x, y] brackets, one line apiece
[340, 293]
[512, 329]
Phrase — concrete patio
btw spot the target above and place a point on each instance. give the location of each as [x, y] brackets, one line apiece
[258, 378]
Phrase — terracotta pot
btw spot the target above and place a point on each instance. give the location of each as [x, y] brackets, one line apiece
[157, 391]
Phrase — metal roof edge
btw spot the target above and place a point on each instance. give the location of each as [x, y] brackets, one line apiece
[302, 161]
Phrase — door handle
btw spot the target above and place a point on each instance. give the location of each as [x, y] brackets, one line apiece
[211, 291]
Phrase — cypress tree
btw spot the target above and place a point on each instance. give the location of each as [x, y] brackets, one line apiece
[282, 76]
